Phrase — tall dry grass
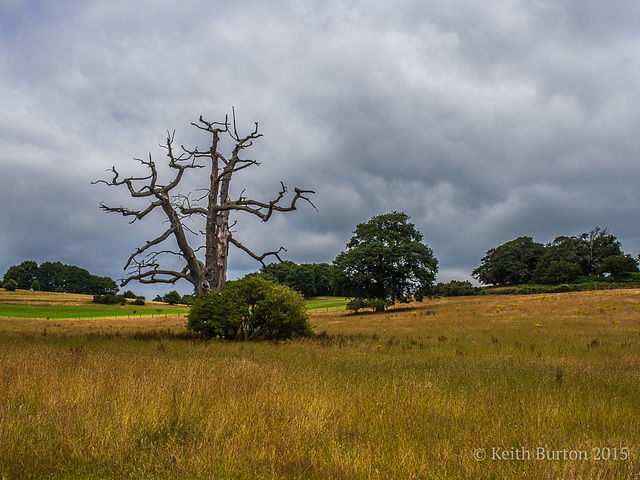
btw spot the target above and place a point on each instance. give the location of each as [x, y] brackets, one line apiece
[408, 393]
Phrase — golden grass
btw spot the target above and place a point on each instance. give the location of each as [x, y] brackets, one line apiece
[410, 393]
[29, 297]
[83, 326]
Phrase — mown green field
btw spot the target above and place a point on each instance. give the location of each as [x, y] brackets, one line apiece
[489, 387]
[89, 311]
[327, 303]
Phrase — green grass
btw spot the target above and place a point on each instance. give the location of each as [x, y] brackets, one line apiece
[330, 303]
[408, 393]
[88, 311]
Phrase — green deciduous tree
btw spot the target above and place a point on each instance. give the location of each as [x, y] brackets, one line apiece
[186, 299]
[618, 266]
[172, 297]
[386, 260]
[251, 308]
[24, 274]
[511, 263]
[594, 247]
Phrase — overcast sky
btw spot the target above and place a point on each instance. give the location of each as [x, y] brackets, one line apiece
[483, 121]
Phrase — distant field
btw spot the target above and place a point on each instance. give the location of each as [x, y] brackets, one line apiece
[488, 387]
[327, 303]
[29, 304]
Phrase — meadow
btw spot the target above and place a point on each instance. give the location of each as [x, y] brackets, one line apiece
[526, 386]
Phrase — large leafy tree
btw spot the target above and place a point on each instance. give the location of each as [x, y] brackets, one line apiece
[511, 263]
[386, 260]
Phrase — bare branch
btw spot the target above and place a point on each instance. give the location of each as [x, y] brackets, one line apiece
[139, 214]
[213, 126]
[259, 258]
[149, 244]
[150, 277]
[256, 208]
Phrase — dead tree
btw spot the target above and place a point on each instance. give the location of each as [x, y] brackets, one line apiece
[213, 206]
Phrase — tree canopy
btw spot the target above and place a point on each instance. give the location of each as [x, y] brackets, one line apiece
[386, 260]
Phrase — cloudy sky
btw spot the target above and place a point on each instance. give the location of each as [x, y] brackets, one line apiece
[483, 121]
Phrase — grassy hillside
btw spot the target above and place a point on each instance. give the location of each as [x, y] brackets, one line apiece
[546, 386]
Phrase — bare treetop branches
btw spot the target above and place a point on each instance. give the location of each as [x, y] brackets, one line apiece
[212, 206]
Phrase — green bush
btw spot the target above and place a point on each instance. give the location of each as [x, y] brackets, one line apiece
[248, 309]
[109, 299]
[356, 305]
[10, 285]
[455, 288]
[372, 303]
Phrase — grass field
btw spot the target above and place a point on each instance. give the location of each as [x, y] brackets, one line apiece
[28, 304]
[544, 386]
[327, 303]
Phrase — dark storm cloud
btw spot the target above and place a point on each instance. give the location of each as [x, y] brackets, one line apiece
[481, 120]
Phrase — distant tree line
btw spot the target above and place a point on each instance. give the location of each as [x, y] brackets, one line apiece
[174, 298]
[57, 277]
[309, 279]
[455, 288]
[594, 255]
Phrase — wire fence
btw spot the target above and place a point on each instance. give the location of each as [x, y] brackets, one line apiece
[95, 317]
